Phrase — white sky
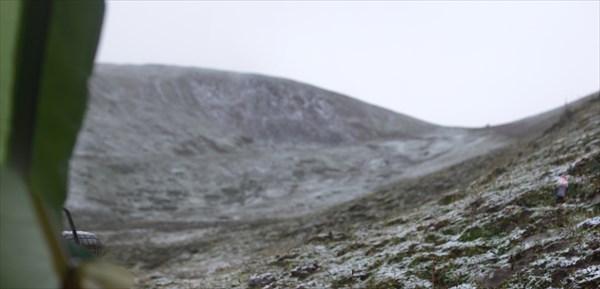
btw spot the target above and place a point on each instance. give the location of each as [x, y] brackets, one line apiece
[466, 63]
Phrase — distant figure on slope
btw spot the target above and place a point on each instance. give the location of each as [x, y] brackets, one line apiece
[561, 188]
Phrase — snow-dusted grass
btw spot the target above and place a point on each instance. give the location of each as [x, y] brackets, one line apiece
[502, 229]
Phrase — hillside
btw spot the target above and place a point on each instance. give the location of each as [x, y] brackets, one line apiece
[188, 111]
[188, 144]
[490, 222]
[197, 178]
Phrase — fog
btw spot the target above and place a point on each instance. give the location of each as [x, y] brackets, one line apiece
[450, 63]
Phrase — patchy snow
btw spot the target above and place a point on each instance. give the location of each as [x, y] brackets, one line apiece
[556, 261]
[587, 274]
[464, 286]
[590, 223]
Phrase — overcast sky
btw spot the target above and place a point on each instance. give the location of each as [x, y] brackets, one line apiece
[452, 63]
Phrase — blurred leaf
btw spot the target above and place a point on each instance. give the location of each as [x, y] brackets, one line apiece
[100, 275]
[26, 260]
[72, 39]
[47, 56]
[10, 11]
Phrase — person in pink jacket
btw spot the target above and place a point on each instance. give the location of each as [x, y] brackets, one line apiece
[561, 188]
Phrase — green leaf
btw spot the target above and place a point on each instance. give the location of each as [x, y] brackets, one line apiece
[100, 274]
[9, 19]
[26, 260]
[73, 35]
[48, 50]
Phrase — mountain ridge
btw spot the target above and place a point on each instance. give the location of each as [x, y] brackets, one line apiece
[239, 109]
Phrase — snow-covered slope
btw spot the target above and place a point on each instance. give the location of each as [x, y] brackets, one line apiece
[490, 222]
[194, 144]
[201, 178]
[189, 111]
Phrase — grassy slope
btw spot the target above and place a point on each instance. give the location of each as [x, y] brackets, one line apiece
[489, 222]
